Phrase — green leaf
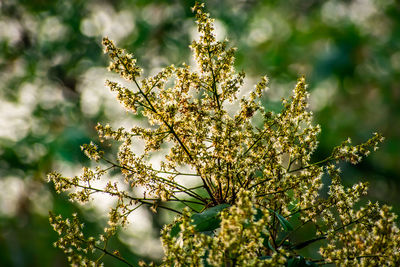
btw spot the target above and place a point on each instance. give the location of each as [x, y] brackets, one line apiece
[205, 222]
[285, 224]
[208, 220]
[286, 243]
[270, 246]
[308, 242]
[175, 230]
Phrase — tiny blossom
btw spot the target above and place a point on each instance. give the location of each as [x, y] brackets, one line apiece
[260, 176]
[91, 151]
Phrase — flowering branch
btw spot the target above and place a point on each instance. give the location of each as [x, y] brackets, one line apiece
[258, 186]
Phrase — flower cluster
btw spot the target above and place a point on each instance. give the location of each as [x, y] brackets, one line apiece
[257, 187]
[73, 238]
[354, 154]
[76, 246]
[240, 240]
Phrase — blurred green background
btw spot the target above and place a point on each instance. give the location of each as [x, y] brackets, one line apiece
[52, 73]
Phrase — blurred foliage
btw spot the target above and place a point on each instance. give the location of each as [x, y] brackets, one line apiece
[52, 72]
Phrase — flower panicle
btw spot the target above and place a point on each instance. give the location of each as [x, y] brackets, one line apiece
[256, 184]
